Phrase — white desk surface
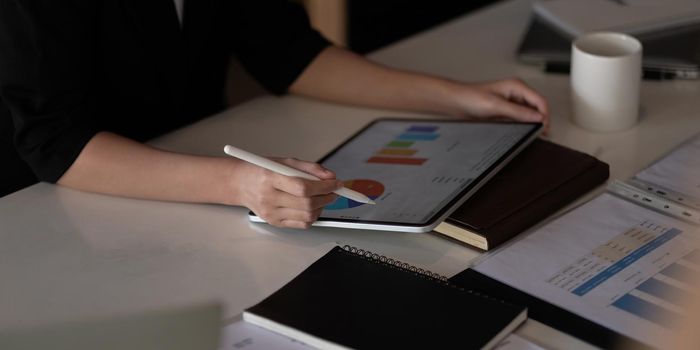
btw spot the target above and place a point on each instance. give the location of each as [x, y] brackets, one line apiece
[68, 255]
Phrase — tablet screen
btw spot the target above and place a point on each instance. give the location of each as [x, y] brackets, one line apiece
[414, 169]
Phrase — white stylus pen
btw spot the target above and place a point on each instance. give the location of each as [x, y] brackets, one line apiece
[289, 171]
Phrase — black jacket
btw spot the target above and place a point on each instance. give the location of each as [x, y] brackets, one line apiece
[71, 68]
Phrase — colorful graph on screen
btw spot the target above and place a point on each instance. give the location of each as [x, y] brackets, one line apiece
[370, 188]
[400, 150]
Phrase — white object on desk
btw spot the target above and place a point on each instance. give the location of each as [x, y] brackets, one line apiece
[606, 73]
[677, 175]
[671, 185]
[654, 202]
[610, 261]
[242, 335]
[289, 171]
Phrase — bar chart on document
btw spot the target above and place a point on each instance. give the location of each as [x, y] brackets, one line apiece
[611, 261]
[644, 271]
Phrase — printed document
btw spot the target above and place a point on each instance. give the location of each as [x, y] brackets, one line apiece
[611, 261]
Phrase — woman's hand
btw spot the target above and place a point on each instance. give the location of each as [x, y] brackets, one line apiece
[510, 98]
[285, 201]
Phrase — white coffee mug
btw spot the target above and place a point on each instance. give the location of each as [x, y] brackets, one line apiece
[606, 72]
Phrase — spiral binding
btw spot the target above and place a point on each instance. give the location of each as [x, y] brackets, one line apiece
[426, 273]
[395, 263]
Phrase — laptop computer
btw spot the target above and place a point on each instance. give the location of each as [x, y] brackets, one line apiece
[672, 53]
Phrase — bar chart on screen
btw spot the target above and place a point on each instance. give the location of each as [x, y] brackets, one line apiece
[402, 149]
[641, 271]
[413, 169]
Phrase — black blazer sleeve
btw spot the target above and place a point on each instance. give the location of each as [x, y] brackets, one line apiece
[274, 41]
[45, 76]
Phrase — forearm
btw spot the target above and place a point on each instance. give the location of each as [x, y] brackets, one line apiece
[339, 75]
[115, 165]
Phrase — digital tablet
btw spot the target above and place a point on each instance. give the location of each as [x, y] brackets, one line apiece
[417, 171]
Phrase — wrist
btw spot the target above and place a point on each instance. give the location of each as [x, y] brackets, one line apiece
[224, 182]
[454, 95]
[229, 190]
[445, 96]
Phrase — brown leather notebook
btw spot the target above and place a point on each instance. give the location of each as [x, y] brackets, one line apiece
[543, 178]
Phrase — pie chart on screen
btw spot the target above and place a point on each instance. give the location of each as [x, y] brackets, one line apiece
[370, 188]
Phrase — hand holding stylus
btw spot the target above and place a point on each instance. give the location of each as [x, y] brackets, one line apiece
[292, 193]
[289, 171]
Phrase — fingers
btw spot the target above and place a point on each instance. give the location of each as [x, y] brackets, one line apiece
[292, 218]
[284, 210]
[287, 201]
[515, 111]
[520, 92]
[520, 102]
[309, 167]
[287, 216]
[302, 187]
[292, 224]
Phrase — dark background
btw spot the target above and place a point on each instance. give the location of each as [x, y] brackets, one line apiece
[376, 23]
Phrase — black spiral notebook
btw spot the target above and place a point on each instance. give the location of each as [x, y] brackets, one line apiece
[352, 298]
